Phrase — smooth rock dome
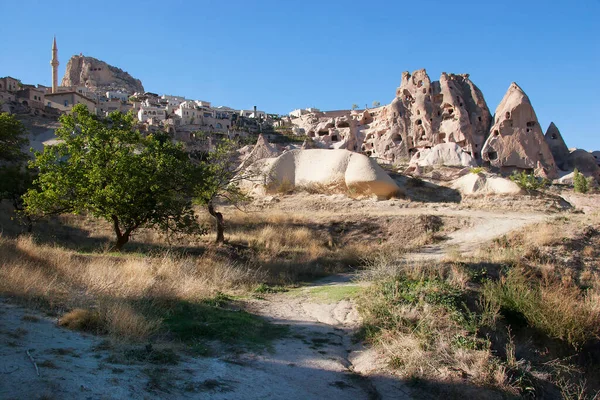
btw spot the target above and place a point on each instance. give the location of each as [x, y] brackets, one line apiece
[331, 169]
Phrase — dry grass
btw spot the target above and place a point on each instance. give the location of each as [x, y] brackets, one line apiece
[519, 315]
[124, 295]
[414, 312]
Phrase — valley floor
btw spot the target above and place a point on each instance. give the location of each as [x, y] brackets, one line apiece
[318, 359]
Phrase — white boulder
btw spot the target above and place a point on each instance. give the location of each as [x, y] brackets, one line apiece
[482, 184]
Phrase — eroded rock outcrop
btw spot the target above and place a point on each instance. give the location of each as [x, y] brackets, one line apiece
[423, 114]
[426, 113]
[596, 155]
[98, 75]
[516, 141]
[327, 170]
[443, 154]
[584, 162]
[261, 150]
[557, 145]
[484, 184]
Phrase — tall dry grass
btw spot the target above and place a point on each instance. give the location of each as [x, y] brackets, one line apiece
[105, 291]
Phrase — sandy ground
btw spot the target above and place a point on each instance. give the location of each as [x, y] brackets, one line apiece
[317, 361]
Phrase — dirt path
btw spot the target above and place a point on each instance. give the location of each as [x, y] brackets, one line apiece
[325, 309]
[317, 361]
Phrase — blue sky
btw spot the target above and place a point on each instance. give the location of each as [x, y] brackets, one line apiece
[281, 55]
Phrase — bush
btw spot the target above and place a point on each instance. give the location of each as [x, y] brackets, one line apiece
[529, 182]
[558, 310]
[580, 182]
[477, 170]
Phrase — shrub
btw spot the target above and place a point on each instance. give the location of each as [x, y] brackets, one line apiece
[558, 310]
[581, 184]
[477, 170]
[529, 182]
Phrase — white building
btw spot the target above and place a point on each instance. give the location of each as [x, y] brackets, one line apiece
[112, 95]
[147, 112]
[303, 111]
[202, 103]
[173, 101]
[252, 114]
[189, 113]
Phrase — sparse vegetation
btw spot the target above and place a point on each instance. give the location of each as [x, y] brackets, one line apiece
[529, 182]
[581, 184]
[510, 318]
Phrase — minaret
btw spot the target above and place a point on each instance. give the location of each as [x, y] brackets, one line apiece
[54, 63]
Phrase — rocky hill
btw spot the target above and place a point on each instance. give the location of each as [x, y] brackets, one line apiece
[98, 75]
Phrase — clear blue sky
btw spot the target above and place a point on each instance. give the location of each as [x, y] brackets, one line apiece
[281, 55]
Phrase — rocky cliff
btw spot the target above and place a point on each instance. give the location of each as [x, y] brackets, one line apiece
[423, 114]
[98, 75]
[516, 140]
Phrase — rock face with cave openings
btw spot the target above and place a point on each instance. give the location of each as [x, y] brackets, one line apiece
[516, 141]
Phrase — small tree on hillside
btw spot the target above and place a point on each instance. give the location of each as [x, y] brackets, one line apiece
[580, 183]
[354, 106]
[106, 168]
[222, 182]
[376, 104]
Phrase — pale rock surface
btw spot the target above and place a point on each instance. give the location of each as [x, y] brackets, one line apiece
[444, 154]
[261, 150]
[422, 115]
[330, 169]
[557, 145]
[426, 113]
[516, 141]
[98, 75]
[483, 184]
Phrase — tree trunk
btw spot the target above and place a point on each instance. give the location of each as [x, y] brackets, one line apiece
[121, 241]
[122, 238]
[218, 223]
[29, 224]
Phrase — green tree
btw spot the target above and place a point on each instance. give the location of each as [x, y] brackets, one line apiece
[376, 104]
[107, 168]
[15, 179]
[12, 139]
[580, 182]
[222, 179]
[354, 106]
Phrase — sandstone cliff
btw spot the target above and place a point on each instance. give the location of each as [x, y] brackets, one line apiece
[423, 114]
[516, 140]
[98, 75]
[426, 113]
[558, 147]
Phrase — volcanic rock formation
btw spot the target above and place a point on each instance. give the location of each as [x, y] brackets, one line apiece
[558, 147]
[328, 170]
[423, 114]
[516, 141]
[426, 113]
[98, 75]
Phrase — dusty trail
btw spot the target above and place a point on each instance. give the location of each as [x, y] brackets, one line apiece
[317, 361]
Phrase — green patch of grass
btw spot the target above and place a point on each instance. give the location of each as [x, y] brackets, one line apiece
[332, 294]
[432, 291]
[208, 320]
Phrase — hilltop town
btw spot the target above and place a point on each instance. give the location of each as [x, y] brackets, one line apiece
[444, 124]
